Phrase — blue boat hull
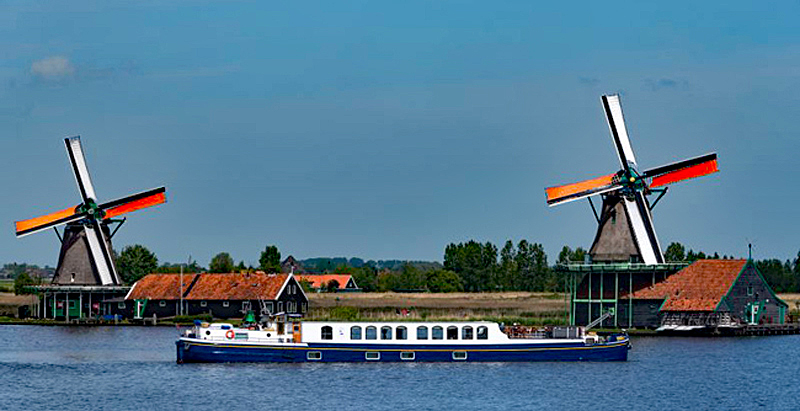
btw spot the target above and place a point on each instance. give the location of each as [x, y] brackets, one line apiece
[195, 351]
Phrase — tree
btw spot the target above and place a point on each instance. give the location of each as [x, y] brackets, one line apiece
[332, 286]
[135, 262]
[23, 279]
[443, 281]
[270, 260]
[221, 263]
[676, 252]
[366, 277]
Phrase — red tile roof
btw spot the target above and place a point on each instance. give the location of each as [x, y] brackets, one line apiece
[238, 286]
[698, 287]
[208, 286]
[320, 280]
[160, 287]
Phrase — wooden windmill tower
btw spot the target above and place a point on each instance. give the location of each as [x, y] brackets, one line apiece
[86, 257]
[625, 231]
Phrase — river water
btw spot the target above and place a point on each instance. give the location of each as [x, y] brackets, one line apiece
[133, 368]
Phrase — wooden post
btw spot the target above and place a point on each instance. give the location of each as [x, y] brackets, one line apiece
[616, 299]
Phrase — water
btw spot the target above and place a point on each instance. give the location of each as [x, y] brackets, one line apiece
[133, 368]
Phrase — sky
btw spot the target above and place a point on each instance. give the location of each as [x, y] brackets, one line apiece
[387, 130]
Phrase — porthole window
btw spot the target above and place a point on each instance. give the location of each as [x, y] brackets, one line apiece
[314, 355]
[327, 332]
[452, 332]
[437, 333]
[372, 355]
[162, 303]
[372, 333]
[121, 305]
[386, 333]
[401, 333]
[483, 333]
[355, 332]
[466, 333]
[422, 332]
[226, 303]
[203, 303]
[459, 355]
[407, 355]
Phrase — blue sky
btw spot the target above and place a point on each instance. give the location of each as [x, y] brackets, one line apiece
[388, 130]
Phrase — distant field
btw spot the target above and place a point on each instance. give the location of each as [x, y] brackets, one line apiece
[530, 308]
[792, 299]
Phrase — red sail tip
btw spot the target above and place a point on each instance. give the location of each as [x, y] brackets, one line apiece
[697, 170]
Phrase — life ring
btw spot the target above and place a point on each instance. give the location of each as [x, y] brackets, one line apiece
[230, 334]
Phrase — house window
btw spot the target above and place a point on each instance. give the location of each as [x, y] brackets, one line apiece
[327, 332]
[749, 290]
[289, 307]
[466, 333]
[422, 332]
[162, 303]
[304, 307]
[314, 355]
[372, 355]
[121, 306]
[401, 333]
[483, 333]
[452, 332]
[372, 333]
[437, 333]
[386, 333]
[280, 306]
[269, 307]
[407, 355]
[226, 303]
[355, 332]
[203, 303]
[459, 355]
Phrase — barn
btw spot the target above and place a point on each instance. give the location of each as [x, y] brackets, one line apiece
[709, 295]
[229, 295]
[321, 282]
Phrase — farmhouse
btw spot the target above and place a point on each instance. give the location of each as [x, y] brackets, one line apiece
[320, 282]
[221, 295]
[708, 294]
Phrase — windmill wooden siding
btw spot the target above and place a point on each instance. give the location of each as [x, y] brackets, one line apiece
[221, 295]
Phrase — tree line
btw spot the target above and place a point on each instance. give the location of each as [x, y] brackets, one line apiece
[469, 266]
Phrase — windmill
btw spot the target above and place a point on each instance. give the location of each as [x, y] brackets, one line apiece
[85, 257]
[625, 226]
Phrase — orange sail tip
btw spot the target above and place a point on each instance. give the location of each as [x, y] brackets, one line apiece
[33, 223]
[149, 201]
[697, 170]
[559, 192]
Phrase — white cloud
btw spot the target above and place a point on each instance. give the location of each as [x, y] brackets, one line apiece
[53, 68]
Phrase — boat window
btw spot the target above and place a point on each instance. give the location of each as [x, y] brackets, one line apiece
[386, 333]
[483, 333]
[437, 333]
[452, 332]
[459, 355]
[407, 355]
[372, 333]
[372, 355]
[422, 332]
[355, 332]
[314, 355]
[466, 333]
[401, 333]
[327, 332]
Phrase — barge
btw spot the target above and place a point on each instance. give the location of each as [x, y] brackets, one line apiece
[467, 341]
